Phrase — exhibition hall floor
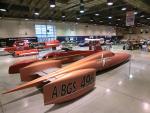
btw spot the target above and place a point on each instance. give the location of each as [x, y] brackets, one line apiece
[116, 91]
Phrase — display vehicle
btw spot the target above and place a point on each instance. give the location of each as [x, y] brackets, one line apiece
[23, 47]
[61, 83]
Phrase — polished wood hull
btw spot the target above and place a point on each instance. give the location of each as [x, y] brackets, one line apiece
[73, 80]
[65, 57]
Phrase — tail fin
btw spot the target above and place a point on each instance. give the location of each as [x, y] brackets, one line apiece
[28, 84]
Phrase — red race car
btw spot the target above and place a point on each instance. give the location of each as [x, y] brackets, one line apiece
[23, 48]
[18, 45]
[25, 52]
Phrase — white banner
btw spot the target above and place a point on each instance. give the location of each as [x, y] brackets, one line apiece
[130, 17]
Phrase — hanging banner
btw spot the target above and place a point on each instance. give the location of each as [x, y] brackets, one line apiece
[130, 17]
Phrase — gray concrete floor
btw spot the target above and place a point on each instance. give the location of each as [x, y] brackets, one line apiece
[116, 90]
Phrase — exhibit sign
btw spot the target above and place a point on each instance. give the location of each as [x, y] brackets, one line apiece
[130, 17]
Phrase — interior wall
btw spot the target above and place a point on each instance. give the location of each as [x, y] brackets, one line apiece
[139, 33]
[138, 36]
[11, 28]
[22, 28]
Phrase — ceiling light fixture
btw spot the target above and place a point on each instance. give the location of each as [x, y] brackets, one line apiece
[4, 10]
[63, 15]
[119, 19]
[124, 8]
[52, 3]
[81, 2]
[26, 19]
[81, 9]
[135, 12]
[81, 6]
[96, 14]
[78, 18]
[50, 19]
[91, 20]
[110, 17]
[36, 13]
[109, 2]
[148, 18]
[142, 16]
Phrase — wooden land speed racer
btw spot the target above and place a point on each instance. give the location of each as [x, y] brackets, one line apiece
[64, 83]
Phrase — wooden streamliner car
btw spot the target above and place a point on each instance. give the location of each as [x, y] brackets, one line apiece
[64, 83]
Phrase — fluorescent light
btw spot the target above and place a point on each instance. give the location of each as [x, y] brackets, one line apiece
[81, 11]
[135, 12]
[4, 10]
[26, 19]
[148, 18]
[118, 19]
[78, 18]
[96, 14]
[124, 8]
[91, 20]
[142, 16]
[110, 3]
[36, 13]
[110, 17]
[63, 16]
[52, 5]
[82, 8]
[81, 3]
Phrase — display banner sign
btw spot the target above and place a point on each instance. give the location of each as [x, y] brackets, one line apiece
[130, 17]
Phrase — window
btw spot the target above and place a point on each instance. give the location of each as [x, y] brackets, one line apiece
[45, 32]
